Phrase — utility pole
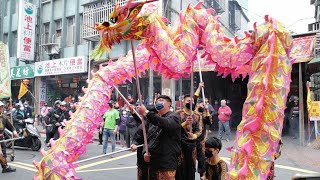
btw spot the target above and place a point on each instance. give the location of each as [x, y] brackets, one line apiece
[301, 109]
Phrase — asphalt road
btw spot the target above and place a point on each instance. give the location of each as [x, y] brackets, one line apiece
[122, 165]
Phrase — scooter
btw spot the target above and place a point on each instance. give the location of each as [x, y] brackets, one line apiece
[31, 136]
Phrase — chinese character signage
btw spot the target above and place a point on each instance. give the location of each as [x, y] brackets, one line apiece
[5, 82]
[42, 92]
[204, 66]
[22, 72]
[315, 116]
[26, 30]
[61, 66]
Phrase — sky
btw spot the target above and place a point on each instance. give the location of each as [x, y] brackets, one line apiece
[289, 12]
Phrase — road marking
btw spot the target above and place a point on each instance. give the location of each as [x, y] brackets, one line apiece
[108, 169]
[24, 164]
[22, 167]
[295, 169]
[31, 167]
[280, 166]
[105, 161]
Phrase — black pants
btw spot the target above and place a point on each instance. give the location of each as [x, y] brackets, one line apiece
[100, 137]
[50, 132]
[200, 157]
[286, 124]
[130, 131]
[186, 162]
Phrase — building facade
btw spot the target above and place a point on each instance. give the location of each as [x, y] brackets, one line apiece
[65, 36]
[233, 19]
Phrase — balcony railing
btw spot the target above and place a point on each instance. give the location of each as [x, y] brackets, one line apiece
[314, 27]
[218, 5]
[96, 12]
[234, 16]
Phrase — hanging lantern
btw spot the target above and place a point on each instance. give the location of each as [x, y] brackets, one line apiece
[76, 79]
[25, 81]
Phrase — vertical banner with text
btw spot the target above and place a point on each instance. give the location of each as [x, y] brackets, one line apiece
[26, 30]
[42, 92]
[5, 81]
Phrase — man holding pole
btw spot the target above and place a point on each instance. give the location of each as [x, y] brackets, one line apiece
[5, 123]
[190, 131]
[164, 140]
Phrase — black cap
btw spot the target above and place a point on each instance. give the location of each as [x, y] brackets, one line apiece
[165, 97]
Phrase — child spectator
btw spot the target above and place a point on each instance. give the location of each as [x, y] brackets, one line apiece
[215, 167]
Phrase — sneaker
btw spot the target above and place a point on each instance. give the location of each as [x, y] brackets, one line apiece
[8, 170]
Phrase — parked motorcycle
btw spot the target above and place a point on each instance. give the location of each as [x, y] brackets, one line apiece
[31, 136]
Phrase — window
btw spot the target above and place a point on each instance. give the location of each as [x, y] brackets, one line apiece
[82, 41]
[218, 5]
[13, 45]
[5, 38]
[16, 7]
[234, 16]
[58, 31]
[45, 39]
[7, 10]
[70, 31]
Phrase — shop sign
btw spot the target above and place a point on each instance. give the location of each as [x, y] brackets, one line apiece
[5, 83]
[22, 72]
[42, 92]
[61, 66]
[26, 30]
[315, 116]
[204, 65]
[315, 109]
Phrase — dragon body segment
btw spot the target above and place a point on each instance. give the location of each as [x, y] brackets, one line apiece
[263, 55]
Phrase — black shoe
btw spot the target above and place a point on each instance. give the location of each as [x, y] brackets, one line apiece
[8, 170]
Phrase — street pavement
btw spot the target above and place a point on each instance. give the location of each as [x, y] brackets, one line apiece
[294, 159]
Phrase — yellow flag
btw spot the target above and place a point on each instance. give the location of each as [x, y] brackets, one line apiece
[23, 90]
[309, 101]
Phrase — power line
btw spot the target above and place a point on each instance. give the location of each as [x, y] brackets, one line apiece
[251, 12]
[299, 20]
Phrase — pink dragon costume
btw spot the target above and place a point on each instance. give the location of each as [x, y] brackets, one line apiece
[262, 54]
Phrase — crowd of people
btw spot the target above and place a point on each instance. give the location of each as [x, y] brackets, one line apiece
[177, 139]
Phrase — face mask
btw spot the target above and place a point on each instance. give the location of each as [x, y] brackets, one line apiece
[201, 109]
[159, 106]
[26, 105]
[208, 153]
[21, 108]
[188, 106]
[222, 104]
